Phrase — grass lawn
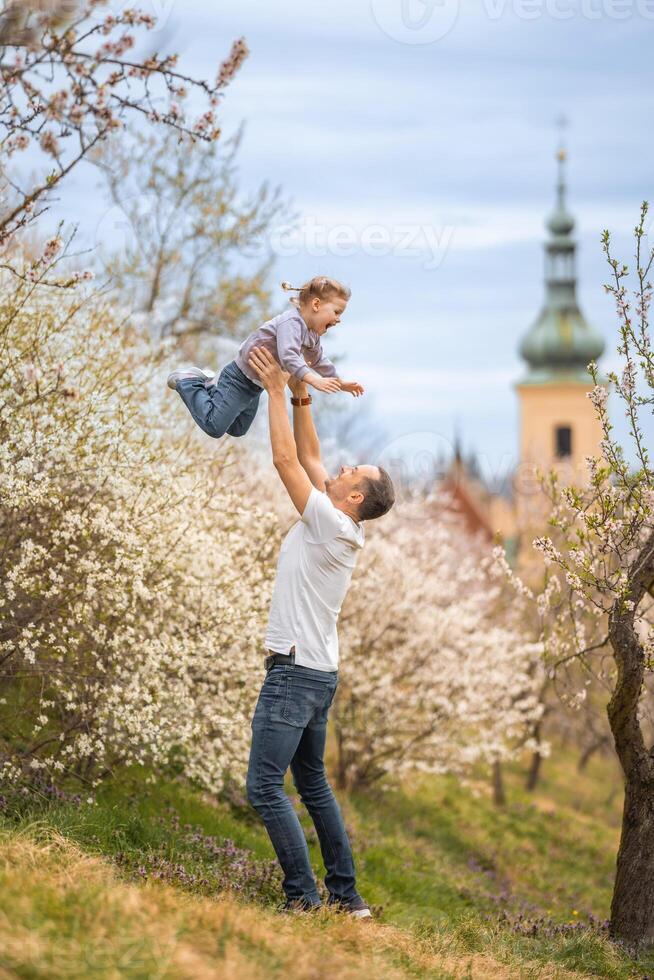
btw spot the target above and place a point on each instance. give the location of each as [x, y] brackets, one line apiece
[145, 881]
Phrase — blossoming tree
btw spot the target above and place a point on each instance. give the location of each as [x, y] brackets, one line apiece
[597, 605]
[133, 580]
[68, 82]
[430, 679]
[180, 268]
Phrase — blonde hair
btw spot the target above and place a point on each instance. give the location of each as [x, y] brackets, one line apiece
[321, 287]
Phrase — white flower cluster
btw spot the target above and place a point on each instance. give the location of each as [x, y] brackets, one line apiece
[430, 679]
[134, 583]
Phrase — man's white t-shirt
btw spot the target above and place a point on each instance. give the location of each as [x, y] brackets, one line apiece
[314, 569]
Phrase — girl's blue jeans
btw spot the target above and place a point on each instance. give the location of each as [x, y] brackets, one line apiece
[289, 728]
[226, 407]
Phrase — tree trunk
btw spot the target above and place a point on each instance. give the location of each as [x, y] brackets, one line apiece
[536, 762]
[589, 752]
[341, 776]
[632, 907]
[534, 772]
[499, 796]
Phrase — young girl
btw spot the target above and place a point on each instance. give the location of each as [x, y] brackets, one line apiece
[229, 403]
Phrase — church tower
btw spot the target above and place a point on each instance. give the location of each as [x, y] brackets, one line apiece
[558, 427]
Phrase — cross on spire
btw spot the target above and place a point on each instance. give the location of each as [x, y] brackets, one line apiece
[562, 124]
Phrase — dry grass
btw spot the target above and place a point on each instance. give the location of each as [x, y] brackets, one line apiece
[66, 914]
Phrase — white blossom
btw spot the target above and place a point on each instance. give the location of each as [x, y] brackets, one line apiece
[134, 584]
[429, 680]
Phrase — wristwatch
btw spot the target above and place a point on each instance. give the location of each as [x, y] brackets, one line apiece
[301, 401]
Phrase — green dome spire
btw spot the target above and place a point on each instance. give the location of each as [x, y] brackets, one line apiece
[560, 343]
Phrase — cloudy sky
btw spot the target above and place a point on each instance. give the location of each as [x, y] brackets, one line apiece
[417, 141]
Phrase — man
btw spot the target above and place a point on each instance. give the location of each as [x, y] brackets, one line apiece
[314, 570]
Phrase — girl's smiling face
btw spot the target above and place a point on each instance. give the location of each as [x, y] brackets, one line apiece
[321, 314]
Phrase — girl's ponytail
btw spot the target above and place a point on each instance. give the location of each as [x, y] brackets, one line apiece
[320, 286]
[294, 300]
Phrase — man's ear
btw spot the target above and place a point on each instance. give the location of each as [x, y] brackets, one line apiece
[356, 497]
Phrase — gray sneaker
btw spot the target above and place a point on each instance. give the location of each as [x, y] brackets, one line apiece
[356, 907]
[193, 372]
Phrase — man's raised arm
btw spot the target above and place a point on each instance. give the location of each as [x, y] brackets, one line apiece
[284, 451]
[306, 437]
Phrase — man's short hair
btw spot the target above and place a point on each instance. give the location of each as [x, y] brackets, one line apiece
[379, 496]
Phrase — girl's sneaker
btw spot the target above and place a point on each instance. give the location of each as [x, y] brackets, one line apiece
[192, 372]
[356, 907]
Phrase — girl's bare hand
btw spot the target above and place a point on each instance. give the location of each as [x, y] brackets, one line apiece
[326, 384]
[353, 387]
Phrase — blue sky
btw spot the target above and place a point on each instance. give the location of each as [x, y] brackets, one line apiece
[385, 135]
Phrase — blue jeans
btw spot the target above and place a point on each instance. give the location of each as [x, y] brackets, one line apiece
[289, 728]
[226, 407]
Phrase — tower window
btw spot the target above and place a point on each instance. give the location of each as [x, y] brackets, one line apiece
[563, 441]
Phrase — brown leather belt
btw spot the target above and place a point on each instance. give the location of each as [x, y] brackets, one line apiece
[279, 658]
